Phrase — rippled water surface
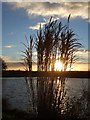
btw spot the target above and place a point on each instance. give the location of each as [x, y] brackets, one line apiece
[17, 94]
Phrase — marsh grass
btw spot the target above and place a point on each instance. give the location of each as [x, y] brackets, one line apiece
[27, 54]
[54, 40]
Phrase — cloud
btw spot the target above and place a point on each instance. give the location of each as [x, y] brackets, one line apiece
[7, 58]
[21, 0]
[63, 9]
[68, 0]
[11, 58]
[8, 46]
[37, 26]
[11, 33]
[44, 0]
[41, 24]
[83, 56]
[80, 67]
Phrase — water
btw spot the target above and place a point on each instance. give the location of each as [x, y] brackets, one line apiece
[20, 96]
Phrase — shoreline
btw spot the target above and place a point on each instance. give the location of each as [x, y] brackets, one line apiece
[69, 74]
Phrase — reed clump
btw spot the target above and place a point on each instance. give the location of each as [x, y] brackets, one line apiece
[53, 42]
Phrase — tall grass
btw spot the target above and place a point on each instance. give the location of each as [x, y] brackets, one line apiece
[40, 50]
[27, 54]
[27, 58]
[54, 41]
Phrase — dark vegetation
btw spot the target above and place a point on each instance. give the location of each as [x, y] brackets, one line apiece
[3, 65]
[15, 114]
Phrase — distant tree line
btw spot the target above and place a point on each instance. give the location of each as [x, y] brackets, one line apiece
[53, 42]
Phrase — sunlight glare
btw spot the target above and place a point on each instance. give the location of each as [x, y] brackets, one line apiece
[58, 65]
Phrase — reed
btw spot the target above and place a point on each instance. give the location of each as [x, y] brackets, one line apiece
[40, 50]
[57, 40]
[54, 41]
[27, 54]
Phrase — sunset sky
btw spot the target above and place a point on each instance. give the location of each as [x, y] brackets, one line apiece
[24, 18]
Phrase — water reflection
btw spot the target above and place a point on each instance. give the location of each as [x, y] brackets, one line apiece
[46, 96]
[50, 96]
[31, 86]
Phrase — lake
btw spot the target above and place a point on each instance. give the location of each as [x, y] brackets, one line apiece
[23, 95]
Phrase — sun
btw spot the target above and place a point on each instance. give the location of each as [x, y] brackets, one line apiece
[58, 65]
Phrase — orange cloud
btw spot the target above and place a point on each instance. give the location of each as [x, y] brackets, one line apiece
[19, 66]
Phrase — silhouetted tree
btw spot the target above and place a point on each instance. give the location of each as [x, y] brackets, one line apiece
[3, 64]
